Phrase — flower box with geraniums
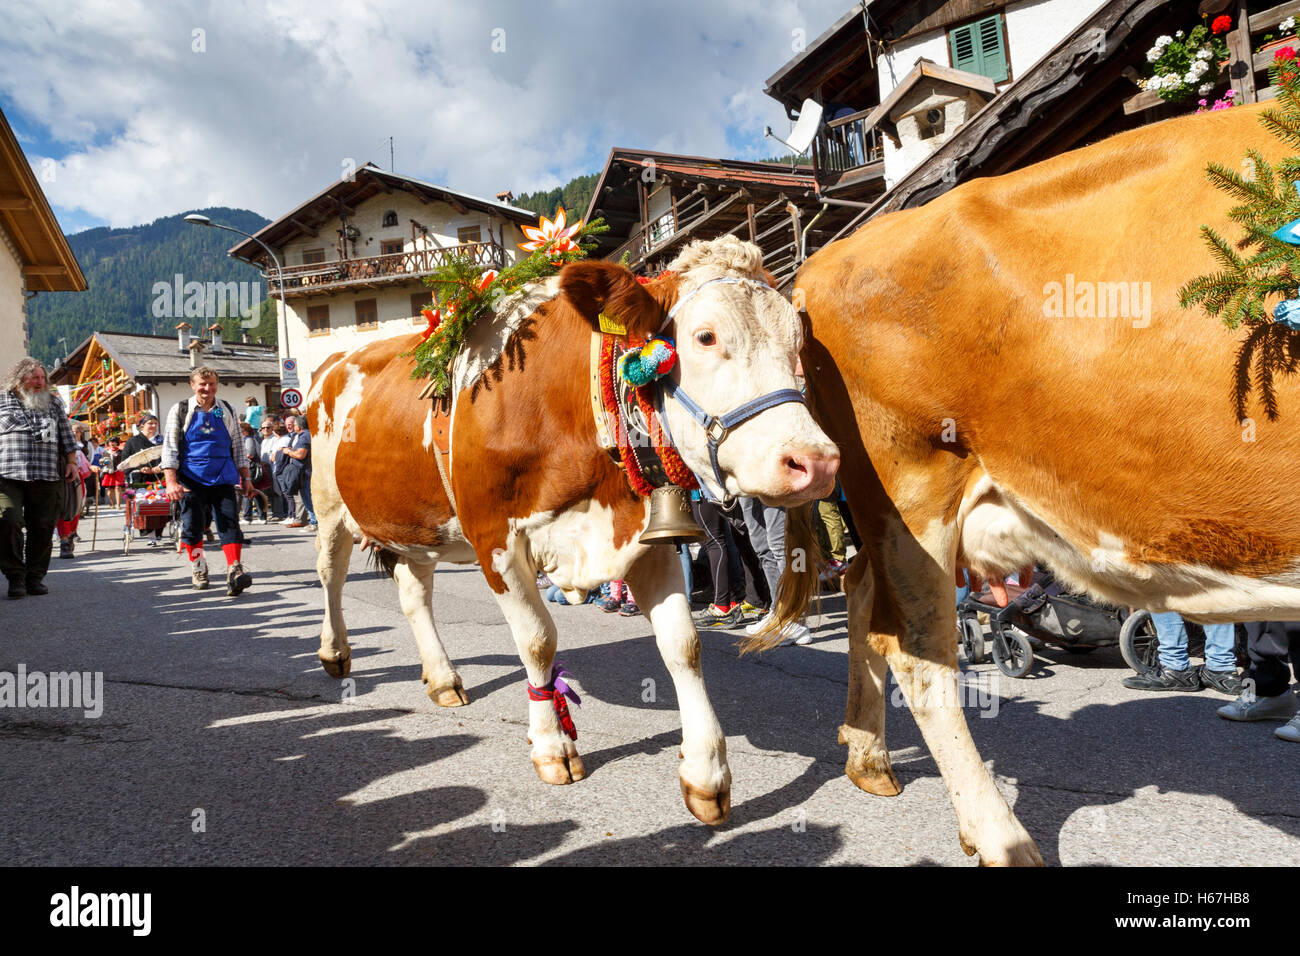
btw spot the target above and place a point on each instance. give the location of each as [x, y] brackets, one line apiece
[1188, 64]
[1286, 37]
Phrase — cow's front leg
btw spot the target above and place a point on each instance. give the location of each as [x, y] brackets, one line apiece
[415, 588]
[863, 730]
[555, 755]
[916, 637]
[656, 581]
[333, 552]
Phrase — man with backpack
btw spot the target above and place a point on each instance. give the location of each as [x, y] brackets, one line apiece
[204, 464]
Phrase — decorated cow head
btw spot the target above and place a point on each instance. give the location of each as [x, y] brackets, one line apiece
[731, 400]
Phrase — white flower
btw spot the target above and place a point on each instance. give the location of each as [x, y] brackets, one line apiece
[1173, 81]
[1179, 34]
[1153, 54]
[1189, 77]
[1287, 25]
[1163, 41]
[1205, 88]
[1204, 53]
[1199, 68]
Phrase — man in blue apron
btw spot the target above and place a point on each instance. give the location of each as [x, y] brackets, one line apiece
[204, 465]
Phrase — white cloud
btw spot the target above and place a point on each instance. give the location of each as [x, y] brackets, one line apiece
[286, 91]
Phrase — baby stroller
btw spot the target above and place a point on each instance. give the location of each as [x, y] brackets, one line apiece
[1045, 611]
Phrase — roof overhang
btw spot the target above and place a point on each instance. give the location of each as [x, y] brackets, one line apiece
[47, 261]
[885, 117]
[349, 192]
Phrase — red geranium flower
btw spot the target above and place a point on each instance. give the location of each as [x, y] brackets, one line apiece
[1286, 53]
[1221, 25]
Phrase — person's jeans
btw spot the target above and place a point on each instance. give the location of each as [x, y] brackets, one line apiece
[766, 527]
[1220, 641]
[194, 512]
[306, 499]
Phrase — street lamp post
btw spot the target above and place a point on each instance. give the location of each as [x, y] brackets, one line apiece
[198, 220]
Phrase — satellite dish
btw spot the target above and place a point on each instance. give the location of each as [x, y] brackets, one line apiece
[805, 130]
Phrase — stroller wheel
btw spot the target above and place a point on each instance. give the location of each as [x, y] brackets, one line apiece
[1012, 653]
[1138, 643]
[972, 639]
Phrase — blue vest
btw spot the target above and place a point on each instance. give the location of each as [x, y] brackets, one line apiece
[207, 459]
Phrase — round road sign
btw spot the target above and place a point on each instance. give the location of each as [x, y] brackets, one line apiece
[291, 398]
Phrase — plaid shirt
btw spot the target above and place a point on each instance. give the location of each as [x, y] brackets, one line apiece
[23, 456]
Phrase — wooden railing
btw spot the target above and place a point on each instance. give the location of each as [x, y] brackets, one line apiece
[318, 276]
[847, 144]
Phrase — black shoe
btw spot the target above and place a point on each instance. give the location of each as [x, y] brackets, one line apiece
[36, 588]
[1161, 679]
[17, 589]
[66, 548]
[1225, 682]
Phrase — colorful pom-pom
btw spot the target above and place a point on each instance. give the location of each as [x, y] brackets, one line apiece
[653, 360]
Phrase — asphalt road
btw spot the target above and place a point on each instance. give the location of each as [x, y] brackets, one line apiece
[221, 740]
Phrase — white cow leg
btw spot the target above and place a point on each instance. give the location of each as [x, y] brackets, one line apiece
[415, 588]
[333, 552]
[660, 590]
[863, 730]
[555, 756]
[919, 641]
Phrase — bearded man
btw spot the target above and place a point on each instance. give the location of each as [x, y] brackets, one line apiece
[38, 453]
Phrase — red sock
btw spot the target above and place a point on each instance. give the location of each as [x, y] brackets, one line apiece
[231, 551]
[192, 550]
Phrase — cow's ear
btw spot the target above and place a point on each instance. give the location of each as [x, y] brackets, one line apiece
[600, 287]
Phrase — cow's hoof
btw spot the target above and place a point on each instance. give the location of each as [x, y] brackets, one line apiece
[882, 783]
[453, 696]
[1018, 854]
[560, 770]
[710, 808]
[340, 668]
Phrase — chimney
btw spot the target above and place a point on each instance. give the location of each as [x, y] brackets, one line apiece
[196, 346]
[507, 196]
[183, 334]
[215, 329]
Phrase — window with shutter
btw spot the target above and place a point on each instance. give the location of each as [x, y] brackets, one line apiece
[980, 47]
[367, 314]
[318, 320]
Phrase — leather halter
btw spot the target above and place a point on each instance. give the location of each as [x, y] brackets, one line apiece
[717, 427]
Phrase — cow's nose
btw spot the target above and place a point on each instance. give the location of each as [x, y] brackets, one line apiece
[811, 473]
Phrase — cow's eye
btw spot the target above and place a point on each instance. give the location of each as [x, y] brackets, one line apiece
[705, 338]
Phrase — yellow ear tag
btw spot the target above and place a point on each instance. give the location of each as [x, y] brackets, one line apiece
[611, 326]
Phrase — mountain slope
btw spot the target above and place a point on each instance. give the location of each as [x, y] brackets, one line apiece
[122, 268]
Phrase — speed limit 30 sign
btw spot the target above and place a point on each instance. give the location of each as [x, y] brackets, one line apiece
[291, 398]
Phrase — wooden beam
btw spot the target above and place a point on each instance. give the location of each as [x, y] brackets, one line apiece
[43, 270]
[1241, 61]
[15, 202]
[315, 232]
[1274, 15]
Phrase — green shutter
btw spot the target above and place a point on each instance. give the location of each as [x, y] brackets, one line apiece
[979, 47]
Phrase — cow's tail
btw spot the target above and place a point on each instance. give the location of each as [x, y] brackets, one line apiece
[799, 580]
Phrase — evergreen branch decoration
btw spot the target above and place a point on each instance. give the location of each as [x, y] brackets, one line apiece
[1256, 284]
[462, 292]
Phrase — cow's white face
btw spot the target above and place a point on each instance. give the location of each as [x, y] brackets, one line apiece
[737, 342]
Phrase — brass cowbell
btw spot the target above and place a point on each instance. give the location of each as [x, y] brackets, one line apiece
[671, 520]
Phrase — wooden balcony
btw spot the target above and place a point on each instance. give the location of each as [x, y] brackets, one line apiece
[343, 275]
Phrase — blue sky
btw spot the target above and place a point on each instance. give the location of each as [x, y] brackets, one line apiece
[131, 110]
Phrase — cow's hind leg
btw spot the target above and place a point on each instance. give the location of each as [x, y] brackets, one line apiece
[555, 756]
[657, 582]
[415, 589]
[333, 552]
[863, 730]
[916, 635]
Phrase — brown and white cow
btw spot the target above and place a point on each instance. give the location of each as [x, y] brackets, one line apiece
[532, 489]
[986, 420]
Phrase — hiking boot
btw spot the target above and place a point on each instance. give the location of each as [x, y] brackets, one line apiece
[750, 613]
[1225, 682]
[718, 616]
[629, 609]
[1250, 707]
[609, 605]
[237, 579]
[36, 588]
[1164, 679]
[199, 573]
[17, 589]
[66, 548]
[1290, 730]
